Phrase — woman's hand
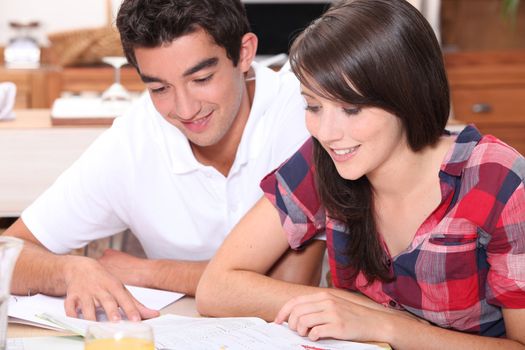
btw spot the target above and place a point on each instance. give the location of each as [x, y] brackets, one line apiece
[325, 315]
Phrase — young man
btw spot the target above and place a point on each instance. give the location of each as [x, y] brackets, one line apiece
[179, 170]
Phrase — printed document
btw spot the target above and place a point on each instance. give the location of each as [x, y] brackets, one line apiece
[236, 333]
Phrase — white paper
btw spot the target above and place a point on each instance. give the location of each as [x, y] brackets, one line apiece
[155, 299]
[27, 309]
[87, 107]
[238, 333]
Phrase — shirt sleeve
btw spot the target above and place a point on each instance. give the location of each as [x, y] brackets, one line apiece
[80, 206]
[506, 250]
[291, 189]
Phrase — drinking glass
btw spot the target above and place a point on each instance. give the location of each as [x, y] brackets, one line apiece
[117, 91]
[10, 247]
[122, 335]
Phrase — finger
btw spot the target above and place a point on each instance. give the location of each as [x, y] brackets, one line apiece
[302, 310]
[127, 303]
[314, 319]
[146, 313]
[110, 306]
[70, 306]
[284, 312]
[321, 331]
[87, 306]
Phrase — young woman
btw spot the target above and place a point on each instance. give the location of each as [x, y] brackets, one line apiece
[425, 230]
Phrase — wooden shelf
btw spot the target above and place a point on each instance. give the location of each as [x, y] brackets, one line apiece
[38, 88]
[98, 79]
[488, 90]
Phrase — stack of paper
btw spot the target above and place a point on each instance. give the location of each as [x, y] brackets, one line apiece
[79, 110]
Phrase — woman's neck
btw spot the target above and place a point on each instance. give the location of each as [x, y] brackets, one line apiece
[409, 172]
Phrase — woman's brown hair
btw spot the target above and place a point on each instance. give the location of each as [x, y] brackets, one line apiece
[372, 53]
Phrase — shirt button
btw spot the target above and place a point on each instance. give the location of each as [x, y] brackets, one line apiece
[392, 303]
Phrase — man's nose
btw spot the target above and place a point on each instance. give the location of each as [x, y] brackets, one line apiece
[185, 107]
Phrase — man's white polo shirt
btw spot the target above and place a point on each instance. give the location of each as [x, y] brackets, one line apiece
[141, 174]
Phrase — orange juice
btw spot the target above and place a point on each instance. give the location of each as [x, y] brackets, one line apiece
[119, 344]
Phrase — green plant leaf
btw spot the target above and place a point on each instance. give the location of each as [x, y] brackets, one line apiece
[509, 9]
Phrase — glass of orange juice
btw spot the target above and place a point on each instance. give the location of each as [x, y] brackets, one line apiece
[122, 335]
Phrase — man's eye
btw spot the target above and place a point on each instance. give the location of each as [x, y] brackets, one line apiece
[204, 80]
[158, 90]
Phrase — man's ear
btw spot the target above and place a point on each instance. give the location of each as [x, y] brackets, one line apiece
[248, 50]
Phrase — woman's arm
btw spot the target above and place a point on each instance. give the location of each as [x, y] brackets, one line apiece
[234, 284]
[249, 251]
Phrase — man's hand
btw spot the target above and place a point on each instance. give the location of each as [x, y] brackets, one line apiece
[127, 268]
[89, 285]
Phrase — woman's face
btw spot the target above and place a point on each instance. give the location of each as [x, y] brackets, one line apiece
[360, 141]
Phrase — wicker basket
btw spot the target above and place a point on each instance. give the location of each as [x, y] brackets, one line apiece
[85, 46]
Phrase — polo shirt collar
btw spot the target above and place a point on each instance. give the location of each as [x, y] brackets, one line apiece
[253, 140]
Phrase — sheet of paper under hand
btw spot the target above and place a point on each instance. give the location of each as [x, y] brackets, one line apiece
[38, 309]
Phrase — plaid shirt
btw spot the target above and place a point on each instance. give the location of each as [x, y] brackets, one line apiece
[465, 262]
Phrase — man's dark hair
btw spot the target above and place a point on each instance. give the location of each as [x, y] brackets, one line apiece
[152, 23]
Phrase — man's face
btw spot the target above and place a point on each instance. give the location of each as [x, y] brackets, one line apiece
[194, 86]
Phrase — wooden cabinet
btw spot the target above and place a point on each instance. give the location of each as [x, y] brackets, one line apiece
[98, 79]
[488, 90]
[36, 88]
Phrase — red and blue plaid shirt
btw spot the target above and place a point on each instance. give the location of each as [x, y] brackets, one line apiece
[465, 262]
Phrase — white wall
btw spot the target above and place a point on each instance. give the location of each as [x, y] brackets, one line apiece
[54, 15]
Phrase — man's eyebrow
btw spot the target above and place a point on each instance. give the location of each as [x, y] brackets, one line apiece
[149, 79]
[207, 63]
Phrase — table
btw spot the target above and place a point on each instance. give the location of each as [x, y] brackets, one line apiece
[33, 153]
[183, 307]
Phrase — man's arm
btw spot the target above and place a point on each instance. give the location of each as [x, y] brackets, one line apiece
[303, 267]
[84, 282]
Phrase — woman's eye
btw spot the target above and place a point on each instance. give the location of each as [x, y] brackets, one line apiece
[352, 110]
[313, 109]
